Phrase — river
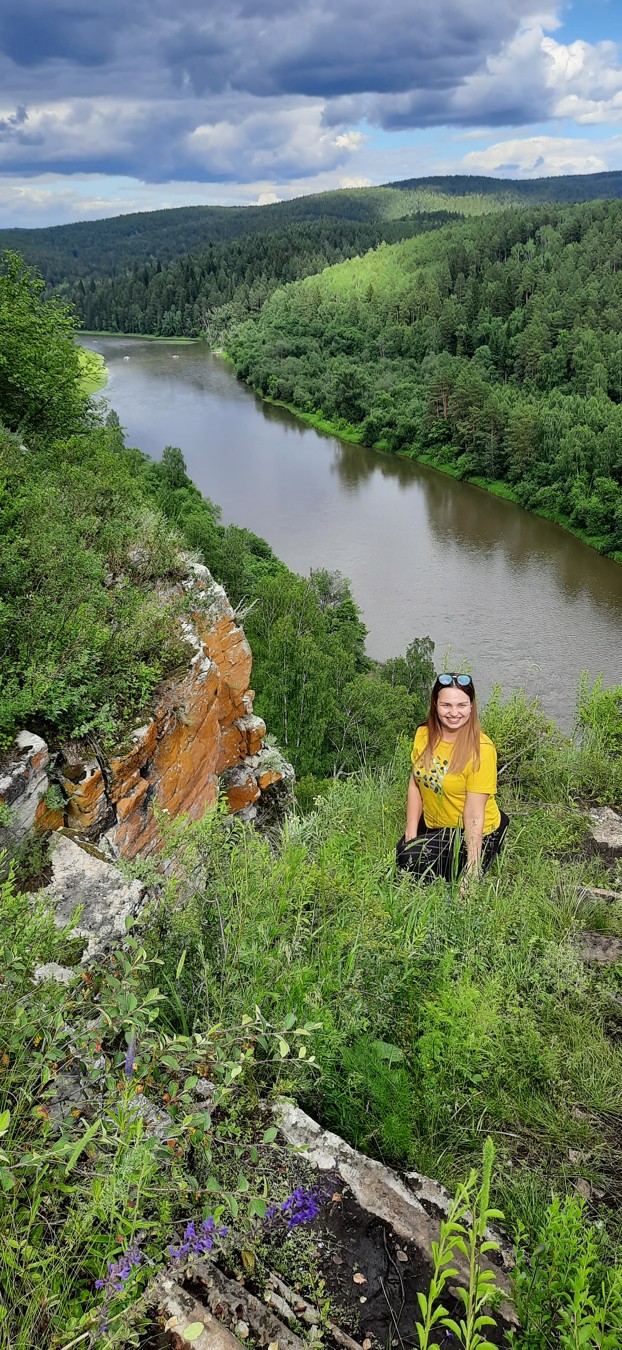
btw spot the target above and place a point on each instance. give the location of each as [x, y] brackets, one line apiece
[518, 598]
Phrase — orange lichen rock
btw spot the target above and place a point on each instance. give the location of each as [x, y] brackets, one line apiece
[203, 726]
[240, 787]
[47, 818]
[202, 734]
[87, 806]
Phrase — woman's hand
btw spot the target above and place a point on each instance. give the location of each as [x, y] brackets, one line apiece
[414, 808]
[473, 819]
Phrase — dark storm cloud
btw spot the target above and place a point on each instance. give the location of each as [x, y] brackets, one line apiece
[313, 49]
[197, 90]
[327, 50]
[32, 33]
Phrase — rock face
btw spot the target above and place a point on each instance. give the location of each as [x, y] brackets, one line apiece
[202, 734]
[606, 828]
[23, 788]
[81, 878]
[411, 1204]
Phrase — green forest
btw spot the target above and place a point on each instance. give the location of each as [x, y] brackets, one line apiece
[84, 657]
[490, 348]
[200, 294]
[417, 1022]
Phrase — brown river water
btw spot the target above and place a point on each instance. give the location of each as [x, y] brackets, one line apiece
[523, 602]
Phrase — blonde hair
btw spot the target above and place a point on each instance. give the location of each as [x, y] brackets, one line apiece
[466, 746]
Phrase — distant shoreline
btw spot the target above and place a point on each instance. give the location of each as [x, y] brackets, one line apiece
[142, 337]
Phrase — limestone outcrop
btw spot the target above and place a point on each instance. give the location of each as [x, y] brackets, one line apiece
[202, 735]
[24, 787]
[605, 827]
[82, 879]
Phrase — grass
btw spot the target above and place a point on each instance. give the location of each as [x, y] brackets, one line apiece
[443, 1019]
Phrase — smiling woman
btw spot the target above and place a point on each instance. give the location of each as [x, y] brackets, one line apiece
[453, 823]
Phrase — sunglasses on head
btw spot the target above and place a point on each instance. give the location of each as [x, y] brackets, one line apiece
[461, 681]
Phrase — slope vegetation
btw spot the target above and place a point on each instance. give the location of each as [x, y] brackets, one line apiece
[413, 1018]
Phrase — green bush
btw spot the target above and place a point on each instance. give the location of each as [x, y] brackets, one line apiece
[569, 1292]
[86, 639]
[40, 373]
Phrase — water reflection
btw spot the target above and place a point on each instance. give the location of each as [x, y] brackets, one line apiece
[464, 517]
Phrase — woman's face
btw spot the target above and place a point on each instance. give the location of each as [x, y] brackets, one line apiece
[453, 709]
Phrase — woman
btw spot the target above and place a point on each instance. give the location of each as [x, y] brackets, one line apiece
[453, 823]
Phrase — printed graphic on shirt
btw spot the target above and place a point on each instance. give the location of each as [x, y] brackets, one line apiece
[432, 778]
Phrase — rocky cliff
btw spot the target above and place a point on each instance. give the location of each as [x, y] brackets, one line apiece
[201, 737]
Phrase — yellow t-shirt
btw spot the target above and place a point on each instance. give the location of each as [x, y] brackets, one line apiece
[443, 793]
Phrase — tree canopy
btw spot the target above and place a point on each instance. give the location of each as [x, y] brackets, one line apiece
[39, 366]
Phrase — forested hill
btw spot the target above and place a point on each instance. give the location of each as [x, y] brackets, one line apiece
[491, 348]
[567, 188]
[108, 247]
[204, 292]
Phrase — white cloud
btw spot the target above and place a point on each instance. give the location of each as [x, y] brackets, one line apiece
[224, 139]
[350, 140]
[587, 81]
[540, 156]
[354, 181]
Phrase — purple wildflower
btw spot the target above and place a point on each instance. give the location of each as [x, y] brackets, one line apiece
[197, 1243]
[119, 1271]
[128, 1067]
[299, 1207]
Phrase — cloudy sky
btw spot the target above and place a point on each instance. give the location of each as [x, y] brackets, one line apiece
[128, 105]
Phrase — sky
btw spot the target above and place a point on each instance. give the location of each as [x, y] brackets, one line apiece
[131, 105]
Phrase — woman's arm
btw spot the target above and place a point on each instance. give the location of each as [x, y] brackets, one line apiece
[473, 817]
[414, 808]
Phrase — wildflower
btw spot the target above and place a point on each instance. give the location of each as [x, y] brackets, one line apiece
[119, 1271]
[199, 1243]
[128, 1067]
[300, 1207]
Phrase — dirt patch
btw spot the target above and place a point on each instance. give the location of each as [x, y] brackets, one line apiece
[600, 948]
[352, 1243]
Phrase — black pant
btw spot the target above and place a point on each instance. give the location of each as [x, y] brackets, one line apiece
[442, 852]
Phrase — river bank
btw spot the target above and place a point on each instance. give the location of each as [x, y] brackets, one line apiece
[344, 431]
[139, 337]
